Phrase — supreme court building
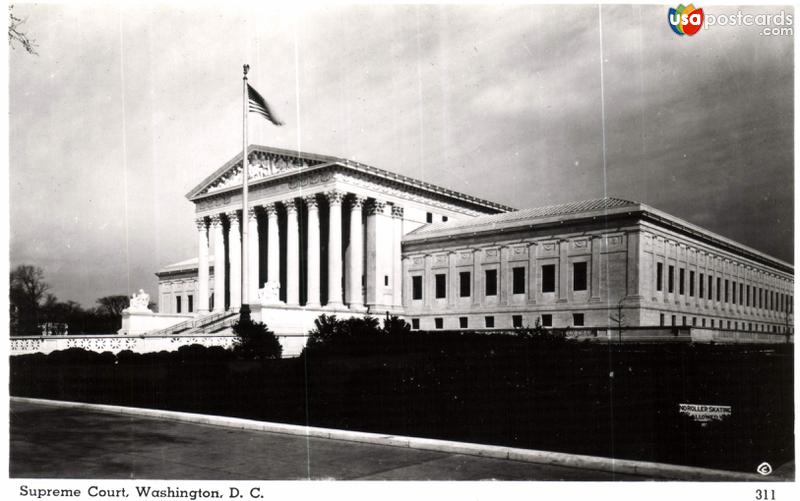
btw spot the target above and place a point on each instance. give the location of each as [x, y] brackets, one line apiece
[329, 235]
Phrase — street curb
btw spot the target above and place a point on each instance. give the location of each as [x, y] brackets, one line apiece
[622, 466]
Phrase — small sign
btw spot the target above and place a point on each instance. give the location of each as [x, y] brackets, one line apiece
[705, 413]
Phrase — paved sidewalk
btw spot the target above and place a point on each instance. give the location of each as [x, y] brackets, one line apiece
[52, 442]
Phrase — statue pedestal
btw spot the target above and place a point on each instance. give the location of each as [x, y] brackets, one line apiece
[270, 294]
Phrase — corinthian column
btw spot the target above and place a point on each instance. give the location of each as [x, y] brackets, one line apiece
[273, 245]
[355, 293]
[252, 254]
[313, 251]
[202, 265]
[219, 262]
[235, 259]
[292, 254]
[335, 248]
[397, 258]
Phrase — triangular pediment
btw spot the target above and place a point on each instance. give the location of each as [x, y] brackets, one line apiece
[264, 162]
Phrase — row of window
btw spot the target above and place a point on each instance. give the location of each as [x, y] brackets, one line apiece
[750, 326]
[726, 290]
[189, 304]
[518, 281]
[488, 321]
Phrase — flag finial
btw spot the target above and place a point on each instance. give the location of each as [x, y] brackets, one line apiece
[246, 68]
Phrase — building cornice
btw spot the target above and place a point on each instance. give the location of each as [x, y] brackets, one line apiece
[319, 164]
[625, 215]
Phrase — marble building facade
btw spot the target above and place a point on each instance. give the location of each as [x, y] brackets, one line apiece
[329, 235]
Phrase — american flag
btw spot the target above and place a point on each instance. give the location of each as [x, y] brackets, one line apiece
[257, 104]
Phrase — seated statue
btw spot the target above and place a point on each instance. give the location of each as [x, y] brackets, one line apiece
[140, 301]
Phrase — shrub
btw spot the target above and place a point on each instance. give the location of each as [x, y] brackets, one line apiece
[254, 340]
[395, 326]
[331, 331]
[539, 335]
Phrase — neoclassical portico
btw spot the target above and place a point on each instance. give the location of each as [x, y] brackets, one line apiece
[325, 233]
[293, 229]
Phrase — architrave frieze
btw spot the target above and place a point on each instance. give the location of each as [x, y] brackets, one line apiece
[300, 179]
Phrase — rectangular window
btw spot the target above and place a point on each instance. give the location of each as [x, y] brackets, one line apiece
[659, 276]
[683, 321]
[694, 321]
[661, 319]
[178, 304]
[211, 302]
[386, 280]
[189, 303]
[700, 286]
[549, 278]
[747, 297]
[710, 287]
[691, 283]
[463, 322]
[733, 292]
[719, 288]
[729, 324]
[672, 319]
[491, 282]
[760, 297]
[671, 279]
[741, 293]
[547, 320]
[489, 322]
[441, 285]
[438, 322]
[444, 219]
[704, 322]
[415, 323]
[429, 217]
[519, 280]
[416, 287]
[727, 286]
[681, 281]
[516, 321]
[579, 276]
[577, 319]
[712, 322]
[465, 283]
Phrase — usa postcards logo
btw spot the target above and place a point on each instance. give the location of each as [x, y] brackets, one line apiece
[685, 20]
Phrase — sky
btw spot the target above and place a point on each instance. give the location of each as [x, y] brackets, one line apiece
[126, 109]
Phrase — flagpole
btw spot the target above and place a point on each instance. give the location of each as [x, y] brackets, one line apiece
[244, 311]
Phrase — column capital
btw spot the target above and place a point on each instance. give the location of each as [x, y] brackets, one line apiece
[216, 220]
[335, 197]
[291, 205]
[397, 211]
[270, 209]
[311, 202]
[233, 217]
[357, 202]
[200, 223]
[251, 213]
[376, 207]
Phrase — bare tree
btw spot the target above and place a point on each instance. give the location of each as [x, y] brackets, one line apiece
[16, 35]
[113, 305]
[28, 288]
[618, 318]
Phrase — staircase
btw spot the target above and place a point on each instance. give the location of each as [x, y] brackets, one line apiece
[207, 324]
